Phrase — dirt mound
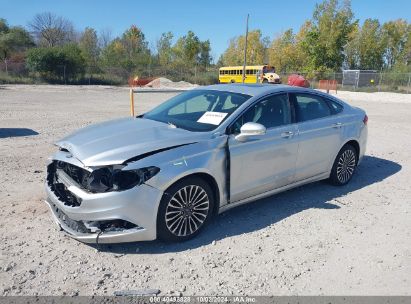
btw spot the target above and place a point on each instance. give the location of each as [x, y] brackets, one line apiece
[162, 82]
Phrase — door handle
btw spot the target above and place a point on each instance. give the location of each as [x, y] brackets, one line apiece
[287, 134]
[337, 125]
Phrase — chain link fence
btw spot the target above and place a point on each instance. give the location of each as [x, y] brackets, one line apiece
[352, 80]
[362, 81]
[17, 72]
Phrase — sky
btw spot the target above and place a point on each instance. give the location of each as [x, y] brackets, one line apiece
[215, 20]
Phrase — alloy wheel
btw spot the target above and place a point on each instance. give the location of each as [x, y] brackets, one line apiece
[346, 166]
[187, 210]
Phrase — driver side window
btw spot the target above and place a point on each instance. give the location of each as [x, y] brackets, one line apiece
[271, 112]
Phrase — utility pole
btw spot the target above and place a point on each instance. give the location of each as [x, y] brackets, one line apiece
[245, 48]
[64, 72]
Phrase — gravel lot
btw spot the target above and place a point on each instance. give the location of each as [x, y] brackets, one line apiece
[313, 240]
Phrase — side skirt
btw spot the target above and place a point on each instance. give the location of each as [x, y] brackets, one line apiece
[272, 192]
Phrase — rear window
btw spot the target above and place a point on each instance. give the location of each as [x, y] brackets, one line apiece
[336, 107]
[311, 107]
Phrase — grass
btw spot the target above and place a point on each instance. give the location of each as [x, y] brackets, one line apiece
[11, 79]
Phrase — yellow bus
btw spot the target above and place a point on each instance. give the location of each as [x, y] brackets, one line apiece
[253, 74]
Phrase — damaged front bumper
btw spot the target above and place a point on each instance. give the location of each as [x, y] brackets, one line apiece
[112, 217]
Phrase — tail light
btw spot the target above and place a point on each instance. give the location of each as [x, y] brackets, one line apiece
[365, 120]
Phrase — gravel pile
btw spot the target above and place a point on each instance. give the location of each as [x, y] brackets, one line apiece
[165, 83]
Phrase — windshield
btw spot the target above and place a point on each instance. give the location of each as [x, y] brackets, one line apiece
[197, 110]
[269, 69]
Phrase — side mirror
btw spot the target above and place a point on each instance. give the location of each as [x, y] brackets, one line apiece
[250, 129]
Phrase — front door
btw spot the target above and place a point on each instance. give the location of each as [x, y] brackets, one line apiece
[263, 162]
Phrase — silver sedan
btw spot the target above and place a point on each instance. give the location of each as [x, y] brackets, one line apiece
[166, 173]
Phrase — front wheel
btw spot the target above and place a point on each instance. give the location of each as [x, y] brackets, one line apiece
[186, 207]
[344, 166]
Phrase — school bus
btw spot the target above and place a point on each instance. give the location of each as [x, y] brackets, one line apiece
[253, 74]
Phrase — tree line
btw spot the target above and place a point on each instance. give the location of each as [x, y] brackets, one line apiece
[52, 50]
[330, 41]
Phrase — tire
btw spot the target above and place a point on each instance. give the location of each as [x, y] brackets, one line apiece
[265, 80]
[344, 166]
[232, 81]
[179, 219]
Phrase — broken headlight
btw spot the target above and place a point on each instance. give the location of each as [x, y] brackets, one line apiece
[107, 179]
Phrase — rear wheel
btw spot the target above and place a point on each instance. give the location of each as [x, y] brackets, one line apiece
[344, 166]
[186, 207]
[265, 80]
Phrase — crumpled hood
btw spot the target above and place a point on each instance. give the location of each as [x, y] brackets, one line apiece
[114, 142]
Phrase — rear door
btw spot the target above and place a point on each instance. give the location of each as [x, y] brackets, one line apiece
[265, 162]
[319, 133]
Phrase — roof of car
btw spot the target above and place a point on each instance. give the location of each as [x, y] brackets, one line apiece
[252, 89]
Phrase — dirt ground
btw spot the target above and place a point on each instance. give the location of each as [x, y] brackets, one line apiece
[313, 240]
